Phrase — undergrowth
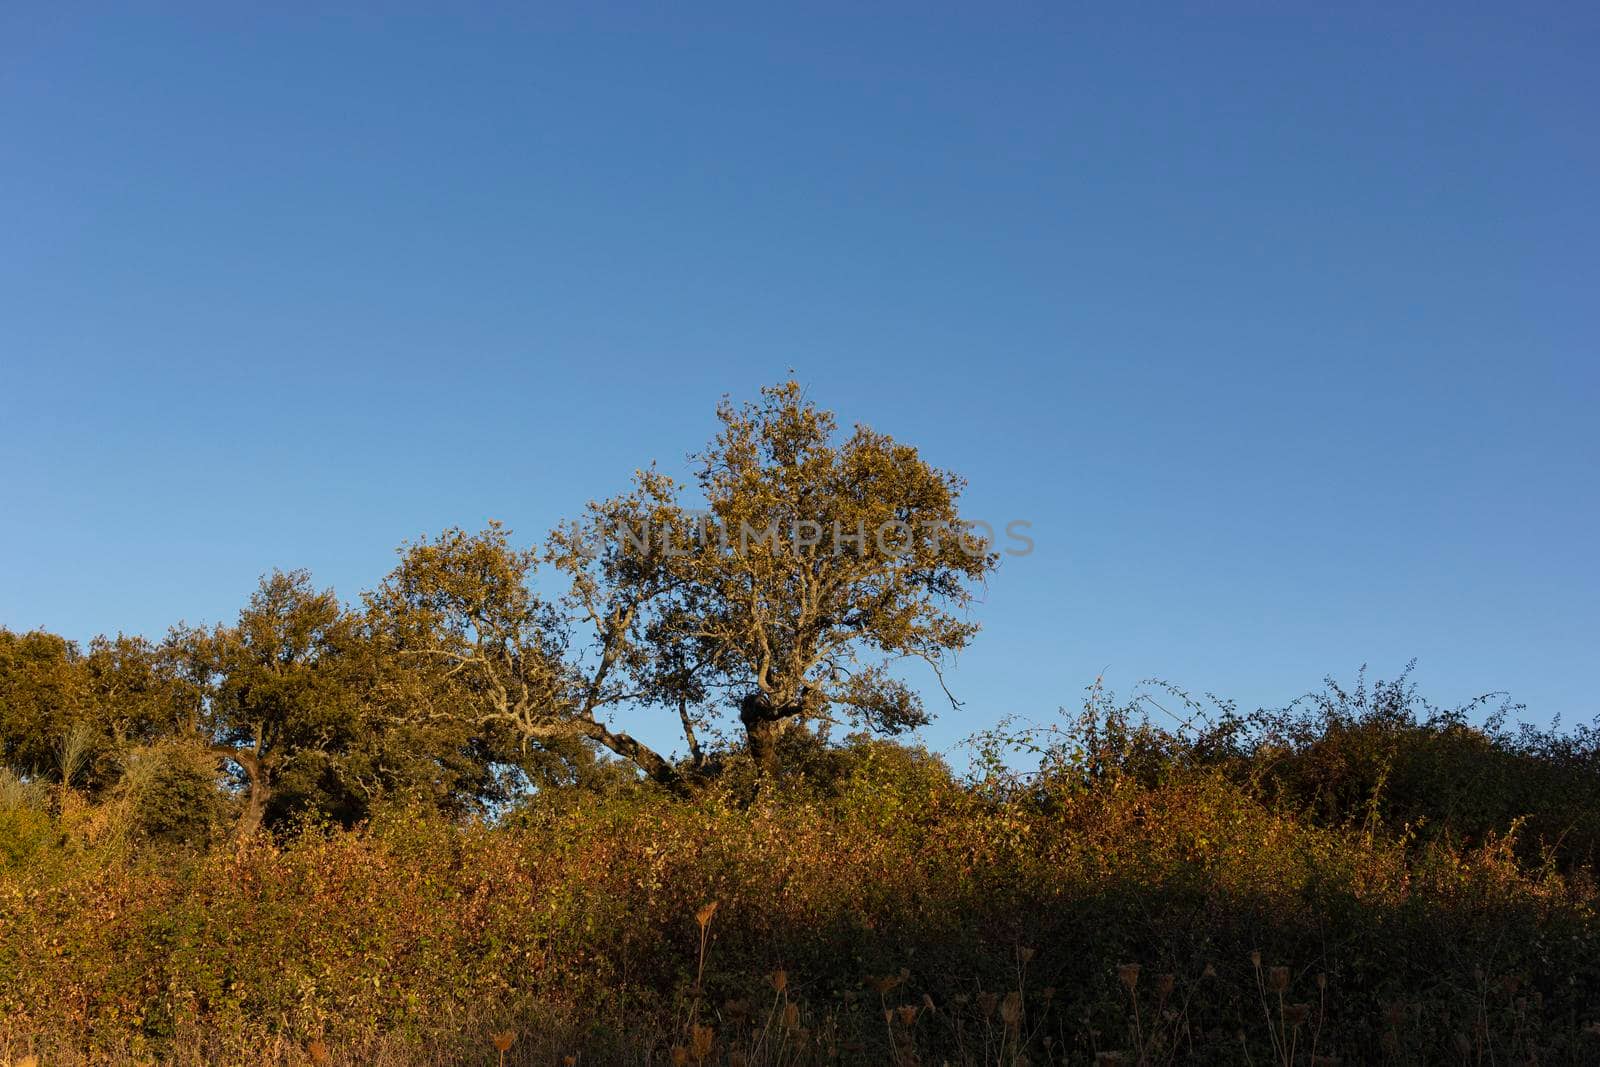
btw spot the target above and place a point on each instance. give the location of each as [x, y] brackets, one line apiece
[1234, 891]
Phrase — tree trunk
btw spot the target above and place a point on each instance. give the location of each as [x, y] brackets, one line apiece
[761, 736]
[259, 793]
[254, 809]
[763, 725]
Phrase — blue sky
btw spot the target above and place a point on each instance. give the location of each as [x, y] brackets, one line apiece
[1279, 325]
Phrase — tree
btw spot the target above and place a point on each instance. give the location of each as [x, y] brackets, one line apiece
[816, 567]
[42, 695]
[74, 715]
[137, 691]
[276, 698]
[313, 705]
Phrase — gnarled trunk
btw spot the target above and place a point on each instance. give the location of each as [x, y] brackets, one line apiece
[763, 726]
[258, 793]
[255, 808]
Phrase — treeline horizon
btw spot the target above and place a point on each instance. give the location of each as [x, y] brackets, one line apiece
[479, 668]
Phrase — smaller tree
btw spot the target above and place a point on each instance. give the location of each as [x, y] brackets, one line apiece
[137, 695]
[73, 715]
[169, 793]
[276, 695]
[42, 696]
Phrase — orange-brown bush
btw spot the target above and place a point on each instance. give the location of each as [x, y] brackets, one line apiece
[911, 915]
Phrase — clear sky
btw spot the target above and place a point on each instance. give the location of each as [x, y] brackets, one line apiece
[1279, 325]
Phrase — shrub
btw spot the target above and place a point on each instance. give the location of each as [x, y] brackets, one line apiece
[171, 795]
[1154, 895]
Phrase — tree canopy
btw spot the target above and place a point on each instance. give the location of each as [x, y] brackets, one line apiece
[773, 592]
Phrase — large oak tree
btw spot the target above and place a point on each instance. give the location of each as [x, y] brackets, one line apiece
[820, 563]
[813, 566]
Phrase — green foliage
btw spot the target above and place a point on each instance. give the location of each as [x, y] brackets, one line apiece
[67, 715]
[47, 723]
[171, 797]
[1382, 752]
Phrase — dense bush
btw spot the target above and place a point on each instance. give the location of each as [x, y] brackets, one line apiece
[1375, 755]
[170, 796]
[873, 909]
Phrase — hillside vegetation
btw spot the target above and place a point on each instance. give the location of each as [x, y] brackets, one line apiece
[1369, 884]
[425, 827]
